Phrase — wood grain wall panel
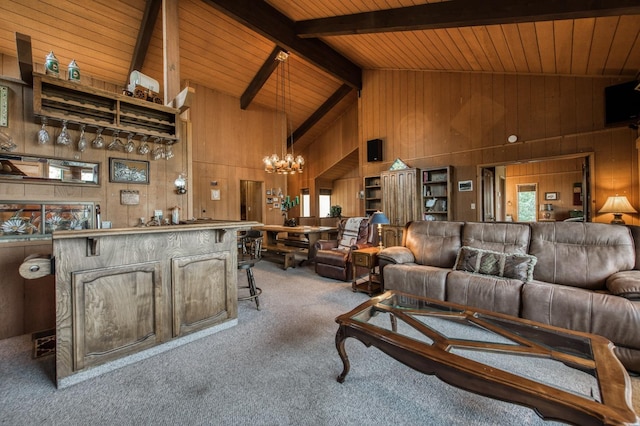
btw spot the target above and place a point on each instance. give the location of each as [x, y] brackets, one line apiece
[346, 191]
[33, 314]
[551, 115]
[603, 33]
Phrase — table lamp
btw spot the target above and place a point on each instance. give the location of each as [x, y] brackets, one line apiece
[379, 219]
[546, 211]
[617, 205]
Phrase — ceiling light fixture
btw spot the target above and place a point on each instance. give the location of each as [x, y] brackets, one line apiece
[288, 164]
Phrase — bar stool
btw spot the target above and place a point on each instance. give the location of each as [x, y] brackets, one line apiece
[250, 253]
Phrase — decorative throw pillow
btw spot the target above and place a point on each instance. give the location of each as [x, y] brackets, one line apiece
[487, 262]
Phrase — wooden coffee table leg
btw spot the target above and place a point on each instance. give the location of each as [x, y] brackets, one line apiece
[340, 338]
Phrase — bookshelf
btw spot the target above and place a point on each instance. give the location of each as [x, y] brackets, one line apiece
[436, 193]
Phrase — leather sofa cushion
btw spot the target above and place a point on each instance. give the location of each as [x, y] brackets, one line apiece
[485, 292]
[580, 254]
[434, 243]
[500, 237]
[488, 262]
[625, 284]
[427, 281]
[613, 317]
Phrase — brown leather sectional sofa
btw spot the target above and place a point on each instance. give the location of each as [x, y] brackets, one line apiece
[580, 276]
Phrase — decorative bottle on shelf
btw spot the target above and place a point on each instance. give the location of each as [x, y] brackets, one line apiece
[98, 219]
[73, 71]
[51, 65]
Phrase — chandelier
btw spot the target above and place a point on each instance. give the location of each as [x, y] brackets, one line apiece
[288, 163]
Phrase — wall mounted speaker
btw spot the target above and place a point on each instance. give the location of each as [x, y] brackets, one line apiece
[374, 150]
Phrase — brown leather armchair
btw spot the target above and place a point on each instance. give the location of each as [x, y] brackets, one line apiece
[333, 257]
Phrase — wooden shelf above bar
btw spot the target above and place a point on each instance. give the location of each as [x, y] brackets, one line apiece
[57, 100]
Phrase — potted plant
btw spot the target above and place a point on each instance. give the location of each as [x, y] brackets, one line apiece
[336, 211]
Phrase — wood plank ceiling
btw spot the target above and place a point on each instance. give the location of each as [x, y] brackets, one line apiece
[225, 43]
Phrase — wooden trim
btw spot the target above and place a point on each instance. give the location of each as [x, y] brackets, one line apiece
[466, 13]
[269, 66]
[148, 23]
[272, 24]
[333, 100]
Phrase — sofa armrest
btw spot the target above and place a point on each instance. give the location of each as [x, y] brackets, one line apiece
[326, 244]
[625, 284]
[397, 254]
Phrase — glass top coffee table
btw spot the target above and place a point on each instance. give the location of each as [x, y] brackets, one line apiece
[563, 375]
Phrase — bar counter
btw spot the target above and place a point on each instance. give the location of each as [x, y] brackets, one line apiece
[125, 294]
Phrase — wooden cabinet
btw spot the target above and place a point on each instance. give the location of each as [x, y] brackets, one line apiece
[392, 235]
[372, 195]
[436, 193]
[366, 258]
[120, 292]
[401, 195]
[59, 100]
[117, 312]
[198, 302]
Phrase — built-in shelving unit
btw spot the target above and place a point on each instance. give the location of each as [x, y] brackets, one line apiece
[436, 193]
[372, 195]
[59, 100]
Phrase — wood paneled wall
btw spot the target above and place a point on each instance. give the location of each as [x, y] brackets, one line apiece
[463, 120]
[27, 306]
[228, 146]
[336, 143]
[557, 176]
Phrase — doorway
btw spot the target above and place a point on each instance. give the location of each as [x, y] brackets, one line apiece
[251, 200]
[563, 185]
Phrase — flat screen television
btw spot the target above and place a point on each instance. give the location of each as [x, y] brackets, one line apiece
[622, 103]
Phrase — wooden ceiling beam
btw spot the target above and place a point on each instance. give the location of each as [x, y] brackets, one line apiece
[267, 21]
[268, 67]
[333, 100]
[25, 57]
[463, 13]
[151, 11]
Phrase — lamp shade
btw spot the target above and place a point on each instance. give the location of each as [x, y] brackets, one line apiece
[617, 204]
[379, 218]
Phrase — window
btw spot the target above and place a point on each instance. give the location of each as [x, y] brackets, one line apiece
[324, 203]
[306, 202]
[527, 202]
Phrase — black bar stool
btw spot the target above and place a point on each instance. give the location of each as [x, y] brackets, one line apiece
[250, 253]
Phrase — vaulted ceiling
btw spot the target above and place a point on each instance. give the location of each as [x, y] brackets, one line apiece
[227, 45]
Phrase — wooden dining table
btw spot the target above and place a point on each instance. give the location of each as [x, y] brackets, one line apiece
[311, 234]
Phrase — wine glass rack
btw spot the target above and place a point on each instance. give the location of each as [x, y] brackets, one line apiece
[59, 100]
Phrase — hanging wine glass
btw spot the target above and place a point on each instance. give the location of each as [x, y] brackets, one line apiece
[98, 142]
[43, 134]
[158, 151]
[116, 143]
[63, 137]
[82, 142]
[168, 152]
[130, 146]
[144, 149]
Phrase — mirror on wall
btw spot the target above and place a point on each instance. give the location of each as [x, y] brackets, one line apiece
[36, 169]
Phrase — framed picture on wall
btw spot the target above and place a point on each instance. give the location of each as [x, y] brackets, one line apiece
[465, 185]
[122, 170]
[550, 195]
